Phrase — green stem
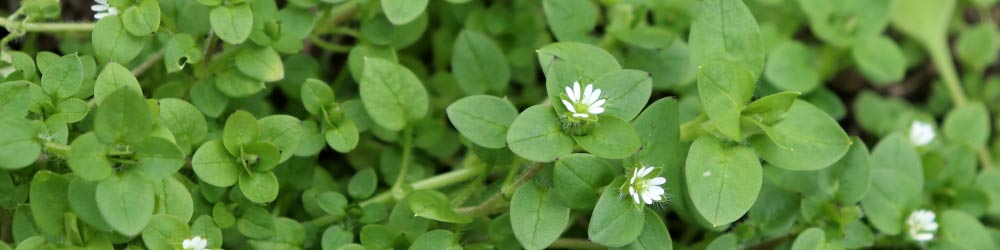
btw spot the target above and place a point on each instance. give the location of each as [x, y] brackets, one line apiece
[59, 149]
[578, 244]
[434, 182]
[942, 61]
[328, 46]
[505, 193]
[47, 27]
[149, 63]
[405, 161]
[692, 130]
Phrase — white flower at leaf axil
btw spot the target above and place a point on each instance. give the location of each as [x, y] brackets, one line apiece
[921, 225]
[195, 243]
[583, 103]
[102, 9]
[643, 187]
[921, 133]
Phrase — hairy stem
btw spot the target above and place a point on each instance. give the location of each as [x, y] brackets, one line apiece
[487, 206]
[149, 63]
[59, 149]
[942, 61]
[404, 162]
[47, 27]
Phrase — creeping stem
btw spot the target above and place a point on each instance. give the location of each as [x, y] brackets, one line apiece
[47, 27]
[942, 61]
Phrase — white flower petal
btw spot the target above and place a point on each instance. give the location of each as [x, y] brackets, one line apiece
[581, 115]
[598, 103]
[635, 172]
[595, 110]
[654, 190]
[657, 181]
[576, 92]
[645, 171]
[101, 15]
[99, 7]
[569, 106]
[587, 92]
[647, 199]
[635, 197]
[594, 96]
[657, 197]
[569, 93]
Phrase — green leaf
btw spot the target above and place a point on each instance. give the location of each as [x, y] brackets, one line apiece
[879, 59]
[256, 223]
[393, 96]
[214, 165]
[897, 183]
[671, 66]
[610, 138]
[792, 66]
[343, 138]
[173, 198]
[124, 116]
[725, 30]
[49, 202]
[648, 37]
[241, 129]
[810, 239]
[70, 110]
[362, 184]
[435, 205]
[335, 236]
[142, 19]
[659, 130]
[925, 20]
[333, 203]
[771, 108]
[88, 158]
[962, 231]
[158, 158]
[577, 177]
[376, 236]
[112, 43]
[181, 50]
[15, 99]
[235, 84]
[284, 131]
[259, 187]
[571, 20]
[537, 135]
[812, 139]
[724, 88]
[435, 240]
[851, 176]
[567, 62]
[968, 125]
[260, 63]
[479, 64]
[406, 222]
[615, 222]
[626, 90]
[232, 23]
[63, 77]
[19, 146]
[359, 54]
[184, 121]
[483, 119]
[978, 46]
[82, 196]
[164, 232]
[317, 97]
[126, 202]
[723, 181]
[114, 77]
[208, 98]
[537, 216]
[654, 234]
[401, 12]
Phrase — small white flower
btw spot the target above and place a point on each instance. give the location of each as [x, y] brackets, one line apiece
[584, 104]
[922, 225]
[102, 9]
[196, 243]
[921, 133]
[644, 189]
